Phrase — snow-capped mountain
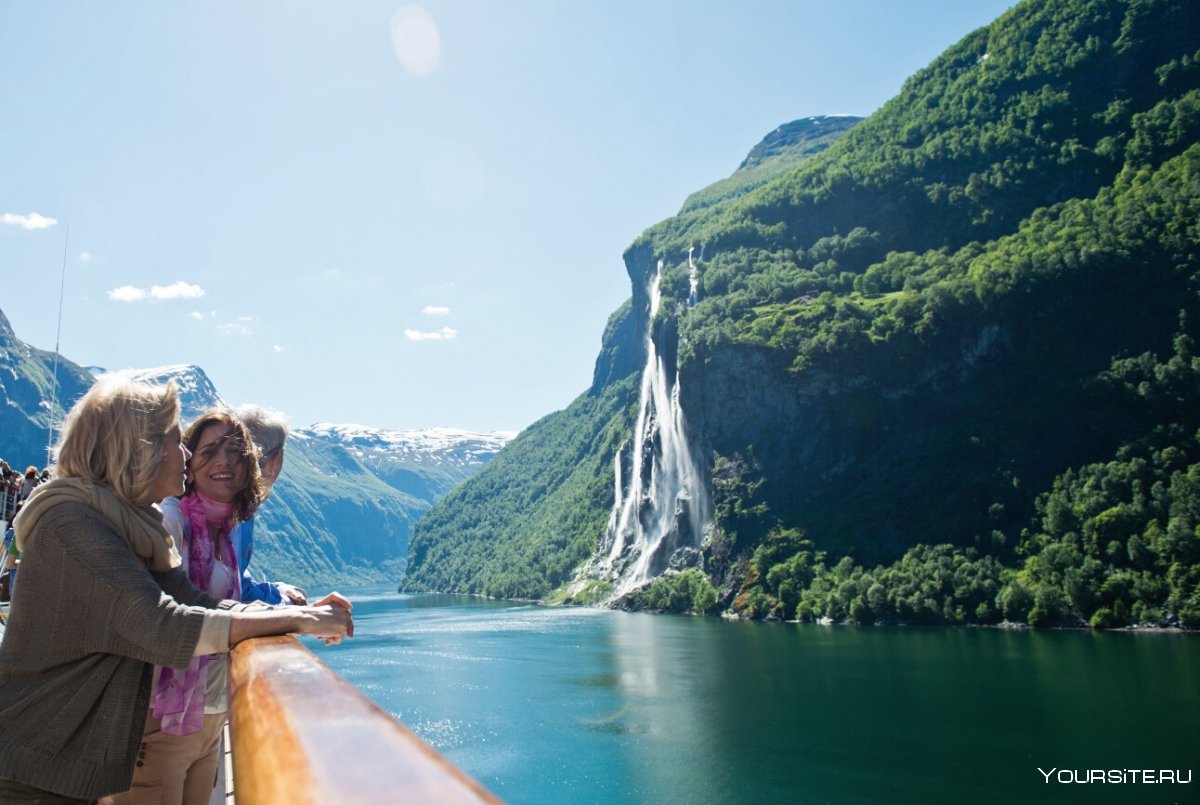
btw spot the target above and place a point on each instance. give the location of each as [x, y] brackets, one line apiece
[431, 445]
[196, 392]
[449, 454]
[345, 504]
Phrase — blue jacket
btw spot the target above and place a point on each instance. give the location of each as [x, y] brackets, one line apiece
[243, 544]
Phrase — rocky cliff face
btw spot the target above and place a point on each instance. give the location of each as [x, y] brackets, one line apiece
[827, 448]
[950, 447]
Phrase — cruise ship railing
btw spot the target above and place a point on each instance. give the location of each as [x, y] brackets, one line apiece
[303, 734]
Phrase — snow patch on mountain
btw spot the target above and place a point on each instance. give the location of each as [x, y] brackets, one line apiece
[429, 446]
[196, 392]
[379, 447]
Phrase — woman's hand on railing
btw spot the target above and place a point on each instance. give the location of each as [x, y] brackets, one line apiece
[333, 621]
[328, 619]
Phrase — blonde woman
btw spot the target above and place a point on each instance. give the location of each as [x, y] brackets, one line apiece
[104, 598]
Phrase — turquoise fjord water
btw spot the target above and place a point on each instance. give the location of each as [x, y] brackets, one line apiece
[560, 705]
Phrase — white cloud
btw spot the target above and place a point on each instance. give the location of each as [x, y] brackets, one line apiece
[435, 310]
[444, 334]
[276, 348]
[416, 40]
[197, 315]
[85, 257]
[31, 221]
[127, 293]
[176, 290]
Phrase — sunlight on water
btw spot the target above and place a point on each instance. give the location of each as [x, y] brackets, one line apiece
[546, 705]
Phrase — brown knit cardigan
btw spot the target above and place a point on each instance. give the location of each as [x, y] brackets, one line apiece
[88, 623]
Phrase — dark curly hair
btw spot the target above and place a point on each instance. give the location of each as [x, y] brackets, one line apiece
[248, 499]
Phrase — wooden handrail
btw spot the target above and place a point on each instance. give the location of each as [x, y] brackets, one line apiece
[303, 734]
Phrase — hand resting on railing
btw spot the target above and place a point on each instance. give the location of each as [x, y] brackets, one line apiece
[328, 619]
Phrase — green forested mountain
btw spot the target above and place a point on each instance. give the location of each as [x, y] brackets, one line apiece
[943, 370]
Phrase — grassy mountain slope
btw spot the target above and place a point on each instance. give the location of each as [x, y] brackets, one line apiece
[330, 520]
[778, 152]
[519, 527]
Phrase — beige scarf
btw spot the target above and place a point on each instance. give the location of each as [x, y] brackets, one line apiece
[140, 526]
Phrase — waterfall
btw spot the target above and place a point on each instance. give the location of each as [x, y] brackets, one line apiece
[661, 508]
[694, 277]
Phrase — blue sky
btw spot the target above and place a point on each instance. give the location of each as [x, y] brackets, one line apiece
[396, 215]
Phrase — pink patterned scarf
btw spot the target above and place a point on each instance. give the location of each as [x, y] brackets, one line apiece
[179, 700]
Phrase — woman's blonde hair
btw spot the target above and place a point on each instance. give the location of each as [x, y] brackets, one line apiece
[254, 492]
[115, 435]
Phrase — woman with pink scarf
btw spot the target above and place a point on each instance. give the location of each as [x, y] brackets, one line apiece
[177, 762]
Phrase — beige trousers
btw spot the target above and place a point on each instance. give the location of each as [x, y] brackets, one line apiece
[175, 769]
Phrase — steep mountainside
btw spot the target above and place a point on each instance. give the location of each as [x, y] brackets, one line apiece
[941, 370]
[196, 391]
[344, 507]
[27, 381]
[779, 151]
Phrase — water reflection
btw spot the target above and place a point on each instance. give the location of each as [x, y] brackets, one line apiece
[574, 705]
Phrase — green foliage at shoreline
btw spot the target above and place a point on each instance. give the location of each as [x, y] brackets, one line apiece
[686, 591]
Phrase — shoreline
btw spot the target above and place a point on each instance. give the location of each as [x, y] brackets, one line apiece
[731, 616]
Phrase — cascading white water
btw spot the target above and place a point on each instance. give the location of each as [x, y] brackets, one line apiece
[658, 516]
[693, 277]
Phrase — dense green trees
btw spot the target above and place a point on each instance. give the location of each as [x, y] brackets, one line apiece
[685, 591]
[1113, 543]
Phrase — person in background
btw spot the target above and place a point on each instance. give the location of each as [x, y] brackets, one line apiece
[104, 598]
[270, 431]
[32, 479]
[9, 566]
[12, 491]
[6, 482]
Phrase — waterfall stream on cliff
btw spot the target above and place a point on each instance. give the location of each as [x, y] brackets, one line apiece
[659, 512]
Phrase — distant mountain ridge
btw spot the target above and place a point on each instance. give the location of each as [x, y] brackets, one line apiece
[27, 382]
[798, 140]
[780, 150]
[196, 392]
[427, 463]
[343, 509]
